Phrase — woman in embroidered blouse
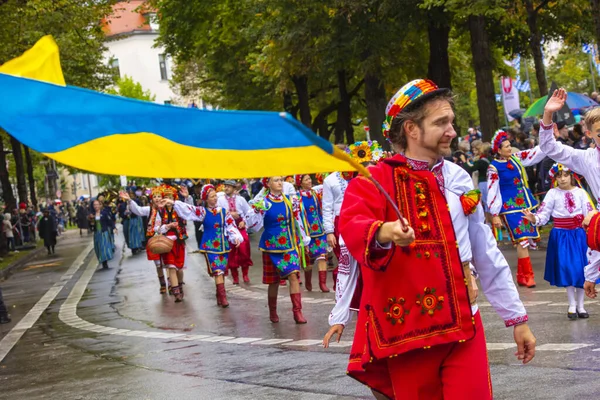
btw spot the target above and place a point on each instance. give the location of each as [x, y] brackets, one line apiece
[103, 227]
[567, 252]
[219, 230]
[312, 214]
[283, 231]
[508, 195]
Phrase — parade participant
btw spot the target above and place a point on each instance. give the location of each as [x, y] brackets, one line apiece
[47, 229]
[239, 208]
[311, 198]
[334, 187]
[219, 231]
[135, 227]
[103, 226]
[166, 221]
[124, 214]
[283, 231]
[582, 162]
[419, 333]
[566, 257]
[150, 213]
[508, 195]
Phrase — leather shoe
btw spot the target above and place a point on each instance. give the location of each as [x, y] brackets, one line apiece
[572, 315]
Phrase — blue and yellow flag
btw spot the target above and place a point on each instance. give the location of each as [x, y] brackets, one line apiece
[114, 135]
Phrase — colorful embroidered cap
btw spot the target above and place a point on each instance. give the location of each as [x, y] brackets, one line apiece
[205, 191]
[365, 151]
[410, 96]
[499, 137]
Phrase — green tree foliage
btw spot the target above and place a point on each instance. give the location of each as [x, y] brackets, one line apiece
[127, 87]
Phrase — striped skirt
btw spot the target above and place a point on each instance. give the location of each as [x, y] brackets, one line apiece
[103, 246]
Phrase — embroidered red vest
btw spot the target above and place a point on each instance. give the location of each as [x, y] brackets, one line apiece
[420, 299]
[171, 216]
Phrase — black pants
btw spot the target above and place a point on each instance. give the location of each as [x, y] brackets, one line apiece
[3, 311]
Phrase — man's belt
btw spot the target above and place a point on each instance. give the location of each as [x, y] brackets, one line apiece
[471, 284]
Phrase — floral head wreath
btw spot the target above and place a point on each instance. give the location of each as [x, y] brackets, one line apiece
[320, 177]
[155, 191]
[167, 190]
[205, 191]
[298, 179]
[366, 151]
[499, 137]
[406, 98]
[265, 181]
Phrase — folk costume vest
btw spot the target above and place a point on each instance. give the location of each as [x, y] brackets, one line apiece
[312, 212]
[415, 297]
[280, 233]
[167, 217]
[214, 239]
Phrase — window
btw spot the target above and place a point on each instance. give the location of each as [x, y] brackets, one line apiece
[114, 65]
[152, 21]
[162, 62]
[168, 102]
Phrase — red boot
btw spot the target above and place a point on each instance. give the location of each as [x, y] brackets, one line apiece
[235, 275]
[245, 274]
[273, 310]
[297, 308]
[520, 275]
[222, 295]
[323, 281]
[528, 272]
[218, 297]
[282, 282]
[308, 280]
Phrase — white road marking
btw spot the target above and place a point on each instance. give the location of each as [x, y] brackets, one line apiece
[11, 339]
[561, 346]
[305, 342]
[270, 342]
[242, 340]
[500, 346]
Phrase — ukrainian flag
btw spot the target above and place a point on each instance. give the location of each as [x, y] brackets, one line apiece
[114, 135]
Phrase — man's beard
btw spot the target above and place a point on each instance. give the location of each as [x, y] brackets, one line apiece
[437, 148]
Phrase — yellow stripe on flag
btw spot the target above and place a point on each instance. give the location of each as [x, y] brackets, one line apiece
[41, 62]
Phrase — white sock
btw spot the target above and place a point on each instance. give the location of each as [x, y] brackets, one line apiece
[580, 296]
[571, 296]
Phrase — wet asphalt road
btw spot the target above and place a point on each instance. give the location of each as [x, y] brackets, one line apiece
[195, 350]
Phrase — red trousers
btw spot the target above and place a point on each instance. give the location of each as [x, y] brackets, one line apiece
[454, 371]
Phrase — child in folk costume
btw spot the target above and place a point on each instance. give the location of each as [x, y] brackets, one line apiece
[508, 195]
[238, 207]
[150, 211]
[103, 226]
[219, 231]
[166, 221]
[567, 255]
[283, 231]
[312, 213]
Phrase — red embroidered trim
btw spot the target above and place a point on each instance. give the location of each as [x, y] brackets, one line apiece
[546, 127]
[516, 321]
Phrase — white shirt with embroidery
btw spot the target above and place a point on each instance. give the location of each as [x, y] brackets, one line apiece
[560, 203]
[334, 188]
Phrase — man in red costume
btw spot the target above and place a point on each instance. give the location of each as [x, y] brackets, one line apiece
[419, 333]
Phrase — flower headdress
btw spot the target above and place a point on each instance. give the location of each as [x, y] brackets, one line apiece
[265, 181]
[298, 179]
[556, 168]
[205, 191]
[168, 190]
[366, 151]
[320, 177]
[499, 137]
[410, 95]
[156, 191]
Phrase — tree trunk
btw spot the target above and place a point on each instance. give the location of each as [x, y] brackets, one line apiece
[320, 124]
[376, 103]
[439, 61]
[30, 178]
[343, 124]
[535, 44]
[484, 78]
[288, 104]
[20, 169]
[7, 192]
[301, 84]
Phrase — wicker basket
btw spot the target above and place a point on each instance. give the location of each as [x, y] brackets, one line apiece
[160, 244]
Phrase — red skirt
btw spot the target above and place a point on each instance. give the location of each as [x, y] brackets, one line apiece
[151, 255]
[176, 257]
[240, 256]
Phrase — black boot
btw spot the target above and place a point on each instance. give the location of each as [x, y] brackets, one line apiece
[4, 319]
[49, 251]
[105, 264]
[52, 249]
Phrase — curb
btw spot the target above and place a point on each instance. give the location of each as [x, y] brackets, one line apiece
[7, 272]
